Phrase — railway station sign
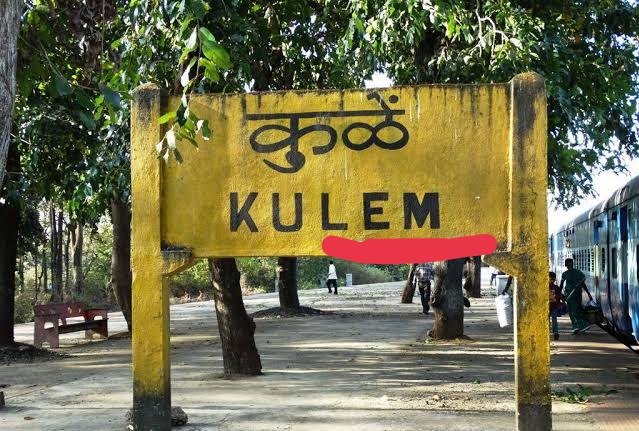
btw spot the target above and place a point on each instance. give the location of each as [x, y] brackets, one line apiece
[284, 170]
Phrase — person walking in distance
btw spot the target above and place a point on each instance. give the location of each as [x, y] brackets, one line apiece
[423, 277]
[332, 277]
[572, 281]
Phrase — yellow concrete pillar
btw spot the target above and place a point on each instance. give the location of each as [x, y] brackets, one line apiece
[151, 337]
[528, 258]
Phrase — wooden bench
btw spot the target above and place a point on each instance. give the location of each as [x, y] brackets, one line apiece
[94, 322]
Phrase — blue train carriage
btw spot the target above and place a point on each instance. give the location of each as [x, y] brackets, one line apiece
[604, 244]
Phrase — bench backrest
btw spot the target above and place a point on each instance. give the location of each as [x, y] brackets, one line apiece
[66, 310]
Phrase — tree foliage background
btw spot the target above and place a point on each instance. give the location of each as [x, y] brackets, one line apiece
[79, 60]
[587, 51]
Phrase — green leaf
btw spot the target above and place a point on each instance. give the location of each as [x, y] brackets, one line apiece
[178, 156]
[84, 100]
[206, 131]
[86, 118]
[210, 70]
[187, 134]
[167, 117]
[112, 97]
[62, 86]
[218, 55]
[199, 8]
[190, 46]
[212, 75]
[192, 42]
[206, 35]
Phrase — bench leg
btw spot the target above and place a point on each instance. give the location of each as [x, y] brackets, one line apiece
[38, 335]
[52, 337]
[46, 335]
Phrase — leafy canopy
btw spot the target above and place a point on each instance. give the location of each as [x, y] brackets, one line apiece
[586, 51]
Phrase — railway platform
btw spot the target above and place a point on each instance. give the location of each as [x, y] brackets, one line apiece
[602, 371]
[365, 366]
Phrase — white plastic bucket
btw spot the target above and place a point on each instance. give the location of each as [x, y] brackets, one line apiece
[504, 304]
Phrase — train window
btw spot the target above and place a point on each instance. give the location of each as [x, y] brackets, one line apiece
[603, 260]
[623, 223]
[637, 257]
[613, 263]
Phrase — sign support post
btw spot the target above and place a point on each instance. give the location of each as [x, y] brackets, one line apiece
[527, 259]
[150, 296]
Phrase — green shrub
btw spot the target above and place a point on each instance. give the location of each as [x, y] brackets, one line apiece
[23, 311]
[312, 271]
[192, 281]
[258, 273]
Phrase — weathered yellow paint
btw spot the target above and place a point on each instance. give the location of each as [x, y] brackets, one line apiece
[176, 261]
[150, 302]
[527, 258]
[482, 149]
[458, 147]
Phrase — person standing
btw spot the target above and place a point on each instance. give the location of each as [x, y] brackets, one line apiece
[555, 299]
[423, 277]
[572, 281]
[493, 276]
[332, 277]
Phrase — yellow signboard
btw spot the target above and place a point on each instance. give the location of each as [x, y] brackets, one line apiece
[284, 170]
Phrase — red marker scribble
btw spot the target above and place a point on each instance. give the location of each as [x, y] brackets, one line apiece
[408, 250]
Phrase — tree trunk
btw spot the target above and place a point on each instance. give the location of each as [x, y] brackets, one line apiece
[9, 28]
[78, 247]
[236, 327]
[121, 258]
[52, 252]
[472, 284]
[67, 280]
[409, 288]
[45, 270]
[8, 254]
[287, 282]
[36, 278]
[448, 300]
[57, 294]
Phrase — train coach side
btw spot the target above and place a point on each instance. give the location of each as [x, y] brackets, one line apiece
[622, 212]
[604, 243]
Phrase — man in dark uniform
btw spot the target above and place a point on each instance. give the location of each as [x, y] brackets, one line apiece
[572, 281]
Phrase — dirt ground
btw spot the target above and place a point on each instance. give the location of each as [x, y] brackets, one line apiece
[365, 366]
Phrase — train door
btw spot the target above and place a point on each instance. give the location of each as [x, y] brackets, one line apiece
[618, 272]
[633, 273]
[604, 256]
[596, 259]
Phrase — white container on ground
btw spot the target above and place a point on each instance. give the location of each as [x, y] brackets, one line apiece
[504, 304]
[349, 280]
